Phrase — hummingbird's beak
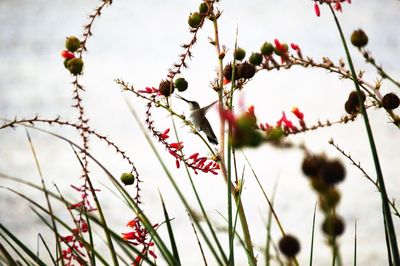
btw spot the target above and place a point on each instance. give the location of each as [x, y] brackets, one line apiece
[180, 97]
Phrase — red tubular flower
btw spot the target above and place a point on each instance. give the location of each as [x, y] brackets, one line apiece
[338, 6]
[164, 135]
[285, 121]
[316, 9]
[194, 156]
[67, 54]
[176, 145]
[129, 236]
[177, 163]
[278, 45]
[297, 113]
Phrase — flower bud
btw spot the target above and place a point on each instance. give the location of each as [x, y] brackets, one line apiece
[194, 20]
[390, 101]
[255, 59]
[267, 48]
[359, 38]
[239, 54]
[289, 246]
[72, 44]
[75, 66]
[181, 84]
[127, 178]
[166, 88]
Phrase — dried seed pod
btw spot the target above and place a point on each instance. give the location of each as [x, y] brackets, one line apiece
[228, 72]
[390, 101]
[312, 165]
[166, 88]
[289, 246]
[333, 172]
[359, 38]
[333, 225]
[246, 70]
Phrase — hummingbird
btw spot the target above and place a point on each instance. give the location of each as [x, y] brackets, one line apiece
[199, 120]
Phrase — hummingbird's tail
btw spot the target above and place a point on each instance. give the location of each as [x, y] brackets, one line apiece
[213, 140]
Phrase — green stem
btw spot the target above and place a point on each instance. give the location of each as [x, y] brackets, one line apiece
[231, 188]
[386, 209]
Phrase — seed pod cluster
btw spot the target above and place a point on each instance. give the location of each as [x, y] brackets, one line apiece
[195, 19]
[324, 174]
[243, 70]
[73, 64]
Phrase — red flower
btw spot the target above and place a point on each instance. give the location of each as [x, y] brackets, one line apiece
[129, 236]
[67, 54]
[338, 6]
[316, 9]
[297, 113]
[164, 135]
[177, 145]
[285, 121]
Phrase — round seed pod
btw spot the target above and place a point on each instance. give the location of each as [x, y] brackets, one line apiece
[390, 101]
[351, 108]
[194, 20]
[181, 84]
[333, 225]
[312, 165]
[289, 246]
[353, 97]
[203, 8]
[239, 54]
[127, 178]
[359, 38]
[75, 66]
[333, 172]
[166, 88]
[255, 59]
[246, 70]
[267, 48]
[72, 44]
[228, 72]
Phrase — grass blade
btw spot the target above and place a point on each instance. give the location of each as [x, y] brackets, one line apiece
[170, 233]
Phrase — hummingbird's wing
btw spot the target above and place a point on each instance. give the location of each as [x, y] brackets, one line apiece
[207, 129]
[205, 109]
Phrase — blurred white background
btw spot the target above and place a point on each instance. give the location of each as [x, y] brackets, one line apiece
[138, 41]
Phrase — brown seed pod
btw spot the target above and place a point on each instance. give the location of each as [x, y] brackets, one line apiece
[333, 225]
[312, 165]
[246, 70]
[228, 72]
[289, 246]
[166, 88]
[359, 38]
[390, 101]
[333, 172]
